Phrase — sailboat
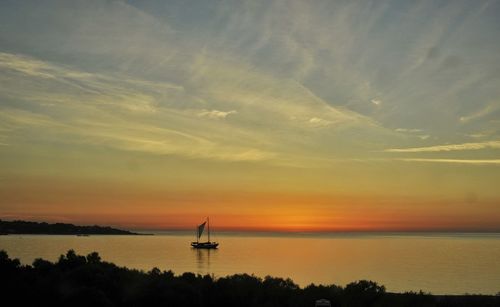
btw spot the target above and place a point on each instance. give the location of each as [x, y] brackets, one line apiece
[199, 232]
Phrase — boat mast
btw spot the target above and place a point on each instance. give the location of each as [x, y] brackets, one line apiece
[208, 221]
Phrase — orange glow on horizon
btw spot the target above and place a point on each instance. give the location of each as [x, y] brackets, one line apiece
[289, 222]
[138, 209]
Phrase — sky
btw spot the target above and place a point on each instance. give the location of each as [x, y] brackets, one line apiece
[266, 115]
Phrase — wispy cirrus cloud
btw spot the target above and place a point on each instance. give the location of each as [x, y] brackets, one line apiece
[26, 65]
[319, 122]
[275, 84]
[408, 130]
[132, 114]
[489, 109]
[451, 147]
[455, 161]
[216, 114]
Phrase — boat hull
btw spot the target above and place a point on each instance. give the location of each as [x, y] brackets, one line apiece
[205, 245]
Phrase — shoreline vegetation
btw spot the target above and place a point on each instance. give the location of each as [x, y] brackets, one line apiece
[77, 280]
[25, 227]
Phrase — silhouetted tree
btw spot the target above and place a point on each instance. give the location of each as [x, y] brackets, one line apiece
[363, 293]
[93, 258]
[76, 280]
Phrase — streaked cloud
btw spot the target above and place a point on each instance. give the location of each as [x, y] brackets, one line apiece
[451, 147]
[319, 122]
[408, 130]
[25, 65]
[456, 161]
[215, 114]
[133, 114]
[489, 109]
[477, 135]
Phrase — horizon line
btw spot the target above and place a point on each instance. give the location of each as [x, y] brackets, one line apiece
[325, 232]
[277, 230]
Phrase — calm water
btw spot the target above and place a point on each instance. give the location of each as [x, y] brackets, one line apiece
[441, 264]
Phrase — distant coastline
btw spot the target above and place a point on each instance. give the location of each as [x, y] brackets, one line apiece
[26, 227]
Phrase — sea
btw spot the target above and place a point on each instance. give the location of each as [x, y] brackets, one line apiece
[439, 263]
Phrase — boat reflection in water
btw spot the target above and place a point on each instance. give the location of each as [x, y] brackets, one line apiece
[204, 261]
[204, 245]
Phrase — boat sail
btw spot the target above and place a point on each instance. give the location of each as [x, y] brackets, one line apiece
[199, 231]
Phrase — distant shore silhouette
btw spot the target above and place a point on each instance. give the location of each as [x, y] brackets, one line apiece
[76, 280]
[25, 227]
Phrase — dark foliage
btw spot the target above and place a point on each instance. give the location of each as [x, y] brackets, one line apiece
[23, 227]
[76, 280]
